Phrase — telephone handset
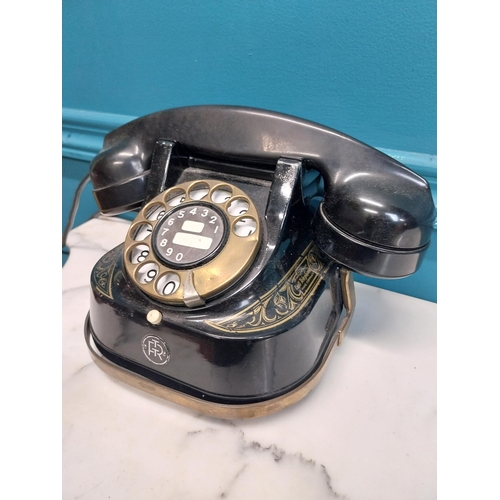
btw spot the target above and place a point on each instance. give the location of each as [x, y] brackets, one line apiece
[217, 299]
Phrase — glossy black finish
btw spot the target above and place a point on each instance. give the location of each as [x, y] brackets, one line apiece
[264, 336]
[228, 352]
[371, 201]
[269, 331]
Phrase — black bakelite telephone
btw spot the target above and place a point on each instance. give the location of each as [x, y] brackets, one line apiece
[216, 300]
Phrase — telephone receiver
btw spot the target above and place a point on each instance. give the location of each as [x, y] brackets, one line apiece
[234, 283]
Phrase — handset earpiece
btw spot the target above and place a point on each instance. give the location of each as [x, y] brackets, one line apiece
[119, 175]
[377, 215]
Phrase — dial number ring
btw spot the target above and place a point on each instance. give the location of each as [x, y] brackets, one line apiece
[216, 260]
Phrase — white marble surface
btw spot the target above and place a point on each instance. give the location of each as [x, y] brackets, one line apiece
[368, 430]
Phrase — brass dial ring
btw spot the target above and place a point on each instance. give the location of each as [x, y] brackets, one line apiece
[192, 242]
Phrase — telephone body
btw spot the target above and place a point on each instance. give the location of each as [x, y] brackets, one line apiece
[234, 283]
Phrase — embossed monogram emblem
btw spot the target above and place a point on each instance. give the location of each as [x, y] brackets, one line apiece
[155, 350]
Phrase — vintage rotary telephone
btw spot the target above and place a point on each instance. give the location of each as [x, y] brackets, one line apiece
[217, 300]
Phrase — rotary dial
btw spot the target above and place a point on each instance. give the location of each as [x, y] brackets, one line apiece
[192, 241]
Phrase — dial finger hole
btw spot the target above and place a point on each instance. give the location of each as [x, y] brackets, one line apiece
[168, 284]
[175, 197]
[156, 212]
[138, 254]
[142, 232]
[147, 273]
[221, 194]
[199, 191]
[238, 207]
[245, 227]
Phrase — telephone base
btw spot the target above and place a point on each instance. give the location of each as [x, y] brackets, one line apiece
[212, 409]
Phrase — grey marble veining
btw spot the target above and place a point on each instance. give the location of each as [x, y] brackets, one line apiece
[368, 430]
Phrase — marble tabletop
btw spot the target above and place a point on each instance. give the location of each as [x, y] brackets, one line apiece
[367, 431]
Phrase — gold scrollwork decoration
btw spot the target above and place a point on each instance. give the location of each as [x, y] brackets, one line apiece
[103, 272]
[282, 302]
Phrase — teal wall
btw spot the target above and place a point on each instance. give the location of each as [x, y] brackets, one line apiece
[367, 68]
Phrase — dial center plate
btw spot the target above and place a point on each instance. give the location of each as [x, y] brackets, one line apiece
[190, 235]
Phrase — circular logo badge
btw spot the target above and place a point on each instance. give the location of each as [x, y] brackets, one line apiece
[155, 350]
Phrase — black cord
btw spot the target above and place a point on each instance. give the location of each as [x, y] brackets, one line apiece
[74, 208]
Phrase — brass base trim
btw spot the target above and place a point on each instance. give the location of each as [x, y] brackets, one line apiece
[349, 299]
[218, 410]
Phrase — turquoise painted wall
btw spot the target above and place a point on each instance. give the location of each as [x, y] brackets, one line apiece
[367, 68]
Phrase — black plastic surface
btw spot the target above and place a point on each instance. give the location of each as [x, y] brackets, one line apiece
[214, 355]
[371, 201]
[267, 332]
